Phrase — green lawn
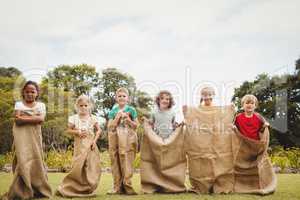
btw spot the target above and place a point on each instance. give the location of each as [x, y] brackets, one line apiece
[288, 189]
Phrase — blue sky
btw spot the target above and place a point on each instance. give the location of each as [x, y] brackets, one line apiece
[175, 45]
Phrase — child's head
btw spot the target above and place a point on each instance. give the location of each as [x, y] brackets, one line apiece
[207, 95]
[249, 103]
[30, 91]
[122, 96]
[83, 105]
[164, 100]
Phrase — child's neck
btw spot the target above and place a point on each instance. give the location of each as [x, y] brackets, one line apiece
[122, 106]
[29, 103]
[249, 114]
[163, 109]
[84, 115]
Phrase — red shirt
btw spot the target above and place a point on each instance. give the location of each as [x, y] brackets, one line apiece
[249, 126]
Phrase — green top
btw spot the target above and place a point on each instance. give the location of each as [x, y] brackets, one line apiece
[129, 109]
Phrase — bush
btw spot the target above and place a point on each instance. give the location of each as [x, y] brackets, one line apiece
[6, 159]
[59, 160]
[285, 158]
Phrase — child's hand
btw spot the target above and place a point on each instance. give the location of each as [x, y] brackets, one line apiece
[127, 118]
[82, 134]
[184, 109]
[264, 126]
[119, 115]
[93, 145]
[233, 127]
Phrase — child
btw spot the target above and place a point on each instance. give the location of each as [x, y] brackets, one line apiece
[83, 179]
[122, 142]
[250, 123]
[163, 118]
[207, 94]
[30, 178]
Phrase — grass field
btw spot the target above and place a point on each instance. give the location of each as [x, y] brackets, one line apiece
[288, 189]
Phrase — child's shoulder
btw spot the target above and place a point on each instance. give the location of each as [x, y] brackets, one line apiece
[259, 116]
[240, 114]
[132, 108]
[19, 103]
[40, 104]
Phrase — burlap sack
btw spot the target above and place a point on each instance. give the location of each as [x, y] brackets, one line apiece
[30, 177]
[122, 142]
[163, 162]
[220, 160]
[209, 147]
[83, 179]
[253, 169]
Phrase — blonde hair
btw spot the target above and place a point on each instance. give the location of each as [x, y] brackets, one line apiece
[207, 90]
[249, 97]
[84, 97]
[122, 89]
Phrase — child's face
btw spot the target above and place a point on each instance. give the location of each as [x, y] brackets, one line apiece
[164, 101]
[122, 98]
[83, 107]
[30, 93]
[207, 98]
[249, 106]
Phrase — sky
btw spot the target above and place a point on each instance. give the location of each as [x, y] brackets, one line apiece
[181, 46]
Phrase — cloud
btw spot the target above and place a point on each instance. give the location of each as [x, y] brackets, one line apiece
[224, 42]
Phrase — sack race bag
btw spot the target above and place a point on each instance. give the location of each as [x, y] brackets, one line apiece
[253, 169]
[84, 176]
[122, 142]
[221, 160]
[30, 174]
[163, 162]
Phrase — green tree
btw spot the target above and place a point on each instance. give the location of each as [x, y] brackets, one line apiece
[278, 102]
[59, 105]
[9, 72]
[8, 78]
[79, 79]
[110, 81]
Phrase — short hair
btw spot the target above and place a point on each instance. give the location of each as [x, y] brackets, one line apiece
[84, 97]
[164, 92]
[249, 97]
[122, 89]
[31, 83]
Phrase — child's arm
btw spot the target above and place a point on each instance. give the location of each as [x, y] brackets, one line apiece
[264, 122]
[114, 122]
[26, 119]
[132, 123]
[75, 132]
[97, 135]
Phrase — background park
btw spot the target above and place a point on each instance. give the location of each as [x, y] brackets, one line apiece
[235, 48]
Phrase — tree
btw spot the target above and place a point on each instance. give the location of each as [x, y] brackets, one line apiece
[278, 102]
[59, 105]
[8, 77]
[110, 81]
[79, 79]
[9, 72]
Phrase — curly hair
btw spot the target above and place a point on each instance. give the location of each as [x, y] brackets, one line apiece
[164, 92]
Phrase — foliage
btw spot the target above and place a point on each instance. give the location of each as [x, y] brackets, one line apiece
[279, 103]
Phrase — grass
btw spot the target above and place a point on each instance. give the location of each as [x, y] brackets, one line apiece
[288, 189]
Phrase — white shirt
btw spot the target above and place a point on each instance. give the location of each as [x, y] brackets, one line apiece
[39, 108]
[80, 124]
